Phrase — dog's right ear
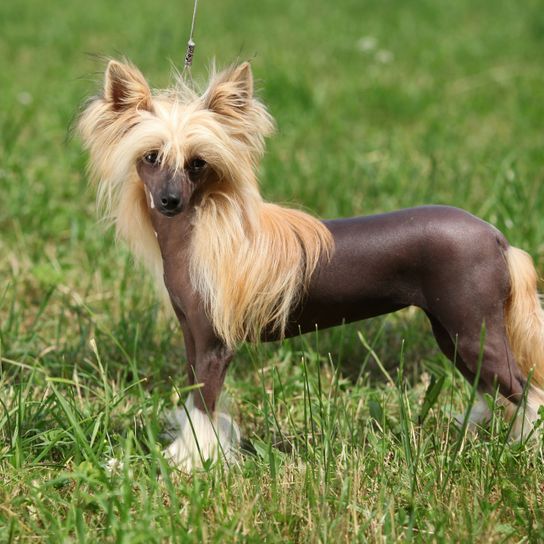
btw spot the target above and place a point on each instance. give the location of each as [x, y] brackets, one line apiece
[126, 88]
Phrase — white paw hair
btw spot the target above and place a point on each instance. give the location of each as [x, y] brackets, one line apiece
[522, 418]
[527, 415]
[479, 415]
[200, 438]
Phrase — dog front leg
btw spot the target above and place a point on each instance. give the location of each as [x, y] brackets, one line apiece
[189, 341]
[204, 432]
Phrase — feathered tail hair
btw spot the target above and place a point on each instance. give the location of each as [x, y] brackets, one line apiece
[524, 315]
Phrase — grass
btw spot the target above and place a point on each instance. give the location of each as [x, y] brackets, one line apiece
[380, 105]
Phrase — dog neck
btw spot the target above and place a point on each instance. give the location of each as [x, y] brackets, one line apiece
[173, 233]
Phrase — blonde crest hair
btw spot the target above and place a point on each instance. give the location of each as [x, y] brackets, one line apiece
[250, 261]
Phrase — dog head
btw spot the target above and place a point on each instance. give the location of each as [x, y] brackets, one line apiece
[181, 145]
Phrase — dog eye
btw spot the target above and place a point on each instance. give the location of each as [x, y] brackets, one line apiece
[196, 165]
[152, 158]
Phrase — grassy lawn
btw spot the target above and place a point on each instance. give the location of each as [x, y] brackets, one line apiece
[380, 105]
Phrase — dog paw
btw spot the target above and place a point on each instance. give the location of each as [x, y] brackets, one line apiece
[479, 415]
[201, 438]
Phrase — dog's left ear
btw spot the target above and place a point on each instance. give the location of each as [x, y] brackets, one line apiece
[125, 87]
[231, 92]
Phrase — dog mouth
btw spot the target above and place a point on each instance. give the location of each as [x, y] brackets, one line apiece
[171, 213]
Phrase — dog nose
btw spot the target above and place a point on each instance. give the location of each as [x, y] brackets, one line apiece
[170, 201]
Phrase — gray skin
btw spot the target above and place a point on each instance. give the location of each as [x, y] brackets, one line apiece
[443, 260]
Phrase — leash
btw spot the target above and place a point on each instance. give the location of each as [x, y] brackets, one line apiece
[189, 53]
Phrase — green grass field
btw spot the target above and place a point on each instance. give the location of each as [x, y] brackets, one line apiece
[380, 105]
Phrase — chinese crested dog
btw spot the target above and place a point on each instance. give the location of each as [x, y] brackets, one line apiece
[176, 172]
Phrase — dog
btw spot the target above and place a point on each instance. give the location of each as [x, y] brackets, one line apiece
[176, 173]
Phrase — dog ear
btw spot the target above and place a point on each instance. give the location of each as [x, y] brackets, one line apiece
[231, 92]
[125, 87]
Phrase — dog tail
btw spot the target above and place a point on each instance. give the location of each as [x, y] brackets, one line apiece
[524, 316]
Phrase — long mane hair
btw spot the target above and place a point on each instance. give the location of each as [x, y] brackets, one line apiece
[250, 261]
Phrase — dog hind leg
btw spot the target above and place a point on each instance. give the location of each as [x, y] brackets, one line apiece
[480, 412]
[498, 369]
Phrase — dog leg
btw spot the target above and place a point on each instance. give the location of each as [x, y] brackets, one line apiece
[499, 364]
[479, 413]
[525, 416]
[204, 432]
[499, 368]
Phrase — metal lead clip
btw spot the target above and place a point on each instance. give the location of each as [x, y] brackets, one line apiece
[189, 53]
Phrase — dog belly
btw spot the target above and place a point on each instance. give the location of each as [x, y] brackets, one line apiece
[323, 316]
